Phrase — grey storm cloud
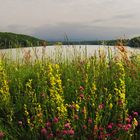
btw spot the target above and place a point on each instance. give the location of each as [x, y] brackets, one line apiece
[80, 19]
[83, 32]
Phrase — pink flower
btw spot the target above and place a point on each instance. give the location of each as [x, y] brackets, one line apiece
[100, 137]
[120, 125]
[101, 106]
[84, 127]
[90, 121]
[130, 117]
[50, 136]
[83, 110]
[108, 135]
[48, 124]
[55, 120]
[109, 126]
[76, 117]
[82, 95]
[135, 113]
[64, 132]
[72, 106]
[101, 128]
[1, 135]
[70, 132]
[120, 102]
[81, 88]
[20, 123]
[67, 125]
[128, 126]
[43, 131]
[128, 120]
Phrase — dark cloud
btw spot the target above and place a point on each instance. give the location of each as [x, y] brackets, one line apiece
[77, 31]
[79, 19]
[74, 31]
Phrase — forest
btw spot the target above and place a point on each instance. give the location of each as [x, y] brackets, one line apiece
[12, 40]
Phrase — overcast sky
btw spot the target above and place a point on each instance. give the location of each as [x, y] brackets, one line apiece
[78, 19]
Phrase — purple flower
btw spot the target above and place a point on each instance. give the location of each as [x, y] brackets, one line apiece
[64, 132]
[67, 125]
[101, 106]
[120, 125]
[43, 131]
[128, 126]
[70, 132]
[81, 88]
[109, 126]
[50, 136]
[128, 120]
[101, 128]
[55, 120]
[76, 117]
[135, 113]
[90, 121]
[82, 95]
[84, 127]
[120, 102]
[48, 124]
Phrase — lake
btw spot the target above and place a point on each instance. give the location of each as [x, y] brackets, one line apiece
[64, 51]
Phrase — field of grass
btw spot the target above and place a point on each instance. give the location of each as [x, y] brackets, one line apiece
[81, 98]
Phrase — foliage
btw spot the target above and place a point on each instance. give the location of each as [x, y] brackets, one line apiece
[93, 97]
[135, 42]
[97, 42]
[11, 40]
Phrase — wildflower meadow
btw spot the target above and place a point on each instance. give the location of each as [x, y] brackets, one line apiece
[77, 98]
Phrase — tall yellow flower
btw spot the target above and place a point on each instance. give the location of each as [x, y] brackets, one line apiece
[56, 91]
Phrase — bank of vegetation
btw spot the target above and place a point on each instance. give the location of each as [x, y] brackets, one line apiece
[85, 98]
[134, 42]
[12, 40]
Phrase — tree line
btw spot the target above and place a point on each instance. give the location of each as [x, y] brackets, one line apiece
[12, 40]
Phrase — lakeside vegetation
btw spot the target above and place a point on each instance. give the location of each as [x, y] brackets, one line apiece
[12, 40]
[84, 98]
[98, 42]
[135, 42]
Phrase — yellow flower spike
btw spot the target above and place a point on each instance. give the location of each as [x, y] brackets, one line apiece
[122, 96]
[135, 122]
[77, 107]
[56, 66]
[4, 88]
[56, 91]
[93, 104]
[110, 105]
[28, 121]
[85, 112]
[94, 87]
[109, 96]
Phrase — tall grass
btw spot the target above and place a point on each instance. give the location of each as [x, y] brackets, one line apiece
[70, 96]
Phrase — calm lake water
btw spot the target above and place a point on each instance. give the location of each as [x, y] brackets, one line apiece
[59, 51]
